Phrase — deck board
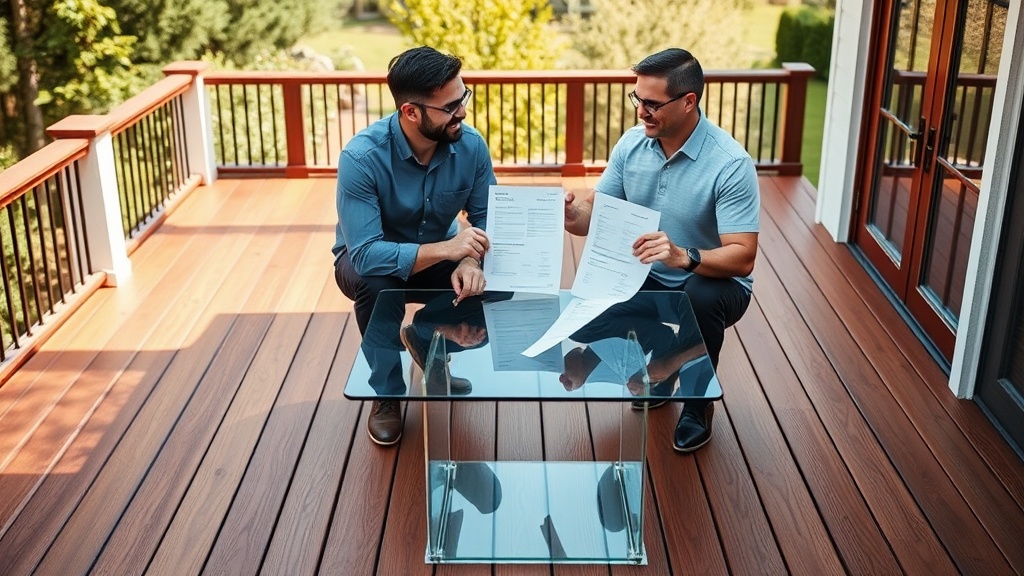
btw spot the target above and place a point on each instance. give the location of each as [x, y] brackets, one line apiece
[192, 421]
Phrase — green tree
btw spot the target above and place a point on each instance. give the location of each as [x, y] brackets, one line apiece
[8, 65]
[256, 26]
[619, 33]
[486, 34]
[495, 35]
[85, 62]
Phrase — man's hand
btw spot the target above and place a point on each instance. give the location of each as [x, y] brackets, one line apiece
[467, 280]
[578, 207]
[463, 334]
[656, 247]
[469, 243]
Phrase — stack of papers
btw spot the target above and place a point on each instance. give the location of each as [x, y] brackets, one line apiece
[526, 230]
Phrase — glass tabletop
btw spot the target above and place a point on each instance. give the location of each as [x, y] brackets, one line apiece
[418, 345]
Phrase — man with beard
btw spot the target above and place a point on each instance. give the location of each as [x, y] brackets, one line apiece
[705, 185]
[401, 184]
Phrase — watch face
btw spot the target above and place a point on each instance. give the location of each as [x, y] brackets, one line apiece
[694, 255]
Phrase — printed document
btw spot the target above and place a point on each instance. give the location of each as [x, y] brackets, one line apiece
[525, 225]
[608, 270]
[514, 324]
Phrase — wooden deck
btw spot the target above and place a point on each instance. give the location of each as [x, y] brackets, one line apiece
[192, 421]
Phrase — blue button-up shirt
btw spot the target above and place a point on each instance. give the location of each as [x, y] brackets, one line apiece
[389, 204]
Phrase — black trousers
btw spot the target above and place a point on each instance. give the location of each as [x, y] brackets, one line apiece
[363, 290]
[717, 304]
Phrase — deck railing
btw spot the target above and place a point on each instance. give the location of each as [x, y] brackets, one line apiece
[72, 213]
[561, 121]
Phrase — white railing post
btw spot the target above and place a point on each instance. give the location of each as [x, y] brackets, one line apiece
[101, 205]
[198, 122]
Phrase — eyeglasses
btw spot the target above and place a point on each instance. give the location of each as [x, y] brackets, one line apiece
[651, 105]
[452, 107]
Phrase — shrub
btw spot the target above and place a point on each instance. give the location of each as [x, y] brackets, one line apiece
[805, 35]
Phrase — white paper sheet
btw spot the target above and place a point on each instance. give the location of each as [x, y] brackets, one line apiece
[525, 225]
[577, 314]
[514, 324]
[608, 269]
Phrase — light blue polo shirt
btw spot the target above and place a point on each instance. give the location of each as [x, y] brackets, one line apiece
[707, 188]
[389, 204]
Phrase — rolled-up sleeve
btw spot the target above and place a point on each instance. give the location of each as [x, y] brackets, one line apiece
[359, 214]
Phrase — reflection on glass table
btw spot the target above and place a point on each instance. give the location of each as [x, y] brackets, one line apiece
[418, 346]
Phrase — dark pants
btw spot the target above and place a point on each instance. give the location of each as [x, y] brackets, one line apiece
[363, 290]
[717, 304]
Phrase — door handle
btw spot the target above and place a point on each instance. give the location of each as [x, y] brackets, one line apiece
[920, 131]
[929, 150]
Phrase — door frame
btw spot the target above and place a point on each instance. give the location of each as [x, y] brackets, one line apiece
[1002, 403]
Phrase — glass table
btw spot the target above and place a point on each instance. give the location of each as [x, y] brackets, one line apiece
[419, 346]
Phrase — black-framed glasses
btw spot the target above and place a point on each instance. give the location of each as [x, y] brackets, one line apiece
[651, 105]
[452, 107]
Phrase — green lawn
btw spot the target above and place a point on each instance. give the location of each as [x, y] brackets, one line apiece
[814, 128]
[374, 42]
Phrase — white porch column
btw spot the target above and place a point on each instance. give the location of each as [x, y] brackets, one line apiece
[198, 124]
[101, 204]
[843, 112]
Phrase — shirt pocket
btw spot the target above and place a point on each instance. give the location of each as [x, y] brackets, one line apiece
[450, 202]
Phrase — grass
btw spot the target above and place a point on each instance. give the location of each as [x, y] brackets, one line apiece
[814, 129]
[374, 42]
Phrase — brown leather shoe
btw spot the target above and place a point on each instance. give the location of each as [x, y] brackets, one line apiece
[385, 422]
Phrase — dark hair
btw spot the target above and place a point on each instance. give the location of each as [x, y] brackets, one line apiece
[682, 70]
[417, 73]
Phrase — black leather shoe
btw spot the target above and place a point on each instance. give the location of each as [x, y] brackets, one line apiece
[385, 422]
[418, 349]
[694, 427]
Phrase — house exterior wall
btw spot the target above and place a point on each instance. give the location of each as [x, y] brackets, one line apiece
[995, 185]
[841, 142]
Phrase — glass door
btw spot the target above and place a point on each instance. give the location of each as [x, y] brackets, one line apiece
[927, 131]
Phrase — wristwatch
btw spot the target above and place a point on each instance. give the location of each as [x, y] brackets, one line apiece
[694, 255]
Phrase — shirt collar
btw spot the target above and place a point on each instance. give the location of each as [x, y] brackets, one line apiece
[398, 137]
[693, 144]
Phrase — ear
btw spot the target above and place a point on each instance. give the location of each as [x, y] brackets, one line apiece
[691, 101]
[410, 111]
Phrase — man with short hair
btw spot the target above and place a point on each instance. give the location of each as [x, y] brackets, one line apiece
[705, 185]
[402, 182]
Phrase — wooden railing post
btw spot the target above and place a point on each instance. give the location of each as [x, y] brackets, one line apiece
[793, 111]
[296, 133]
[100, 203]
[198, 122]
[574, 107]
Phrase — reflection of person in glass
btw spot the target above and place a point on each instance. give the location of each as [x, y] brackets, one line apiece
[463, 328]
[644, 315]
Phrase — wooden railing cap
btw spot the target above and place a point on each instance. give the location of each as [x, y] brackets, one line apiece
[798, 68]
[79, 126]
[190, 67]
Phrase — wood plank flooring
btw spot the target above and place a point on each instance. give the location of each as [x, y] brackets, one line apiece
[191, 421]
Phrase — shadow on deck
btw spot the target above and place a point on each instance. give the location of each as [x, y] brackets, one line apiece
[192, 421]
